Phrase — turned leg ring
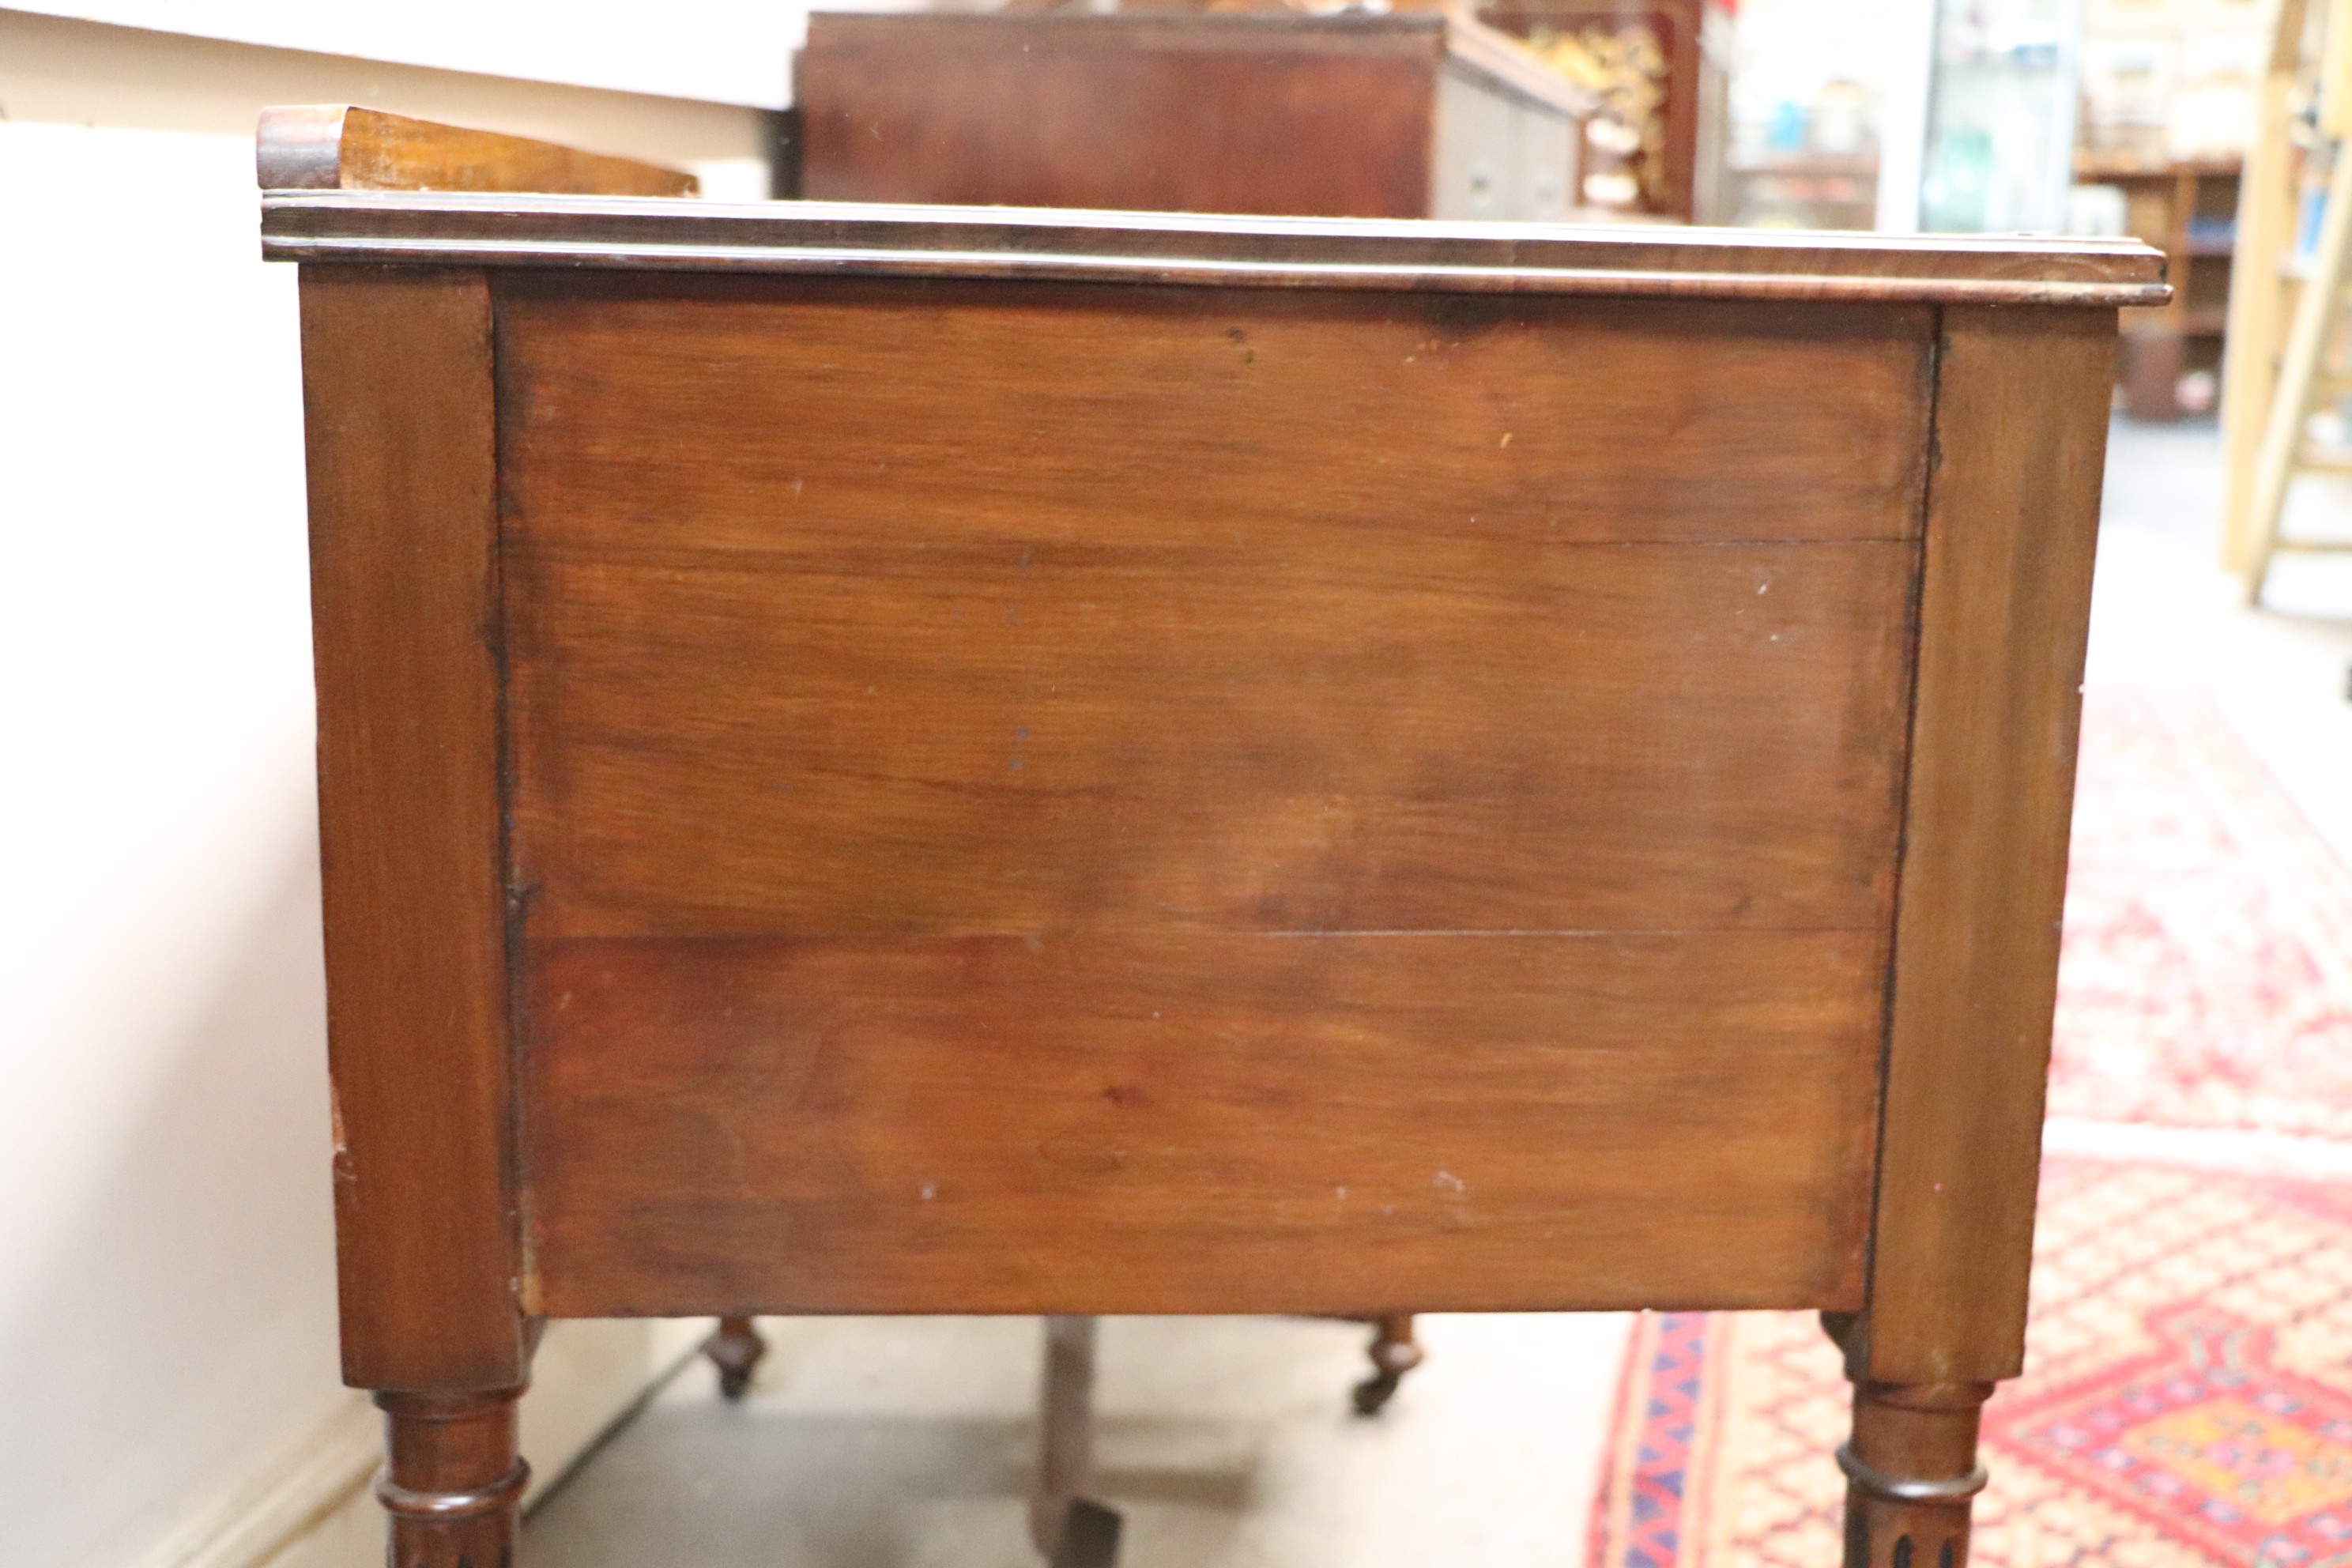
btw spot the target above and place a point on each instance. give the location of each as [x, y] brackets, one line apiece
[1893, 1488]
[453, 1484]
[410, 1503]
[1911, 1470]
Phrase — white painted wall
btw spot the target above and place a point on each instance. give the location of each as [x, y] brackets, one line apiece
[166, 1289]
[723, 51]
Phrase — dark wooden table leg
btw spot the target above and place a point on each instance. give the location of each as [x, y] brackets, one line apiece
[454, 1478]
[2004, 595]
[1394, 1353]
[736, 1350]
[1911, 1473]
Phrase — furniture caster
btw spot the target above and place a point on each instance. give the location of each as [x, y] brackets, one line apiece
[736, 1348]
[1088, 1536]
[1394, 1354]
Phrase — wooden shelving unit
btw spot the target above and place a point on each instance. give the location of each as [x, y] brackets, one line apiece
[2190, 211]
[1806, 190]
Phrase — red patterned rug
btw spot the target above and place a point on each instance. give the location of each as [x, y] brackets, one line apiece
[2207, 975]
[2188, 1398]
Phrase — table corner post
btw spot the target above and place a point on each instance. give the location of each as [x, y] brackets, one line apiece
[2010, 510]
[400, 416]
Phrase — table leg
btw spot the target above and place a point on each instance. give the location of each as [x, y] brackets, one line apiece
[453, 1478]
[1911, 1473]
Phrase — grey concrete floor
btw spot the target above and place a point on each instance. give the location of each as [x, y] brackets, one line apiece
[907, 1443]
[2164, 614]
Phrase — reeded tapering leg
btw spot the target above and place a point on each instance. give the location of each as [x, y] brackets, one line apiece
[1394, 1353]
[1911, 1472]
[453, 1478]
[736, 1350]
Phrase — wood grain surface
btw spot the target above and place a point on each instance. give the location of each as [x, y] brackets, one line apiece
[338, 147]
[1190, 419]
[1190, 621]
[396, 397]
[1678, 738]
[1413, 34]
[1336, 115]
[1470, 727]
[1176, 130]
[2021, 434]
[1215, 1123]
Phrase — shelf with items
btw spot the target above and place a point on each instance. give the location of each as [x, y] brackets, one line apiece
[2189, 210]
[1805, 190]
[1660, 68]
[2092, 171]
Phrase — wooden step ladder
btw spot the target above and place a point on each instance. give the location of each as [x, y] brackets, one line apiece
[2286, 354]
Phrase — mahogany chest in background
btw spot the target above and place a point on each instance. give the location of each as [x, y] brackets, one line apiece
[1360, 115]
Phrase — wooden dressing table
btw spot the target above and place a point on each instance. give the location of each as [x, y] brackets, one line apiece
[924, 760]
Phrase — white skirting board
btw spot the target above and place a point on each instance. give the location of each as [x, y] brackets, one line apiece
[315, 1509]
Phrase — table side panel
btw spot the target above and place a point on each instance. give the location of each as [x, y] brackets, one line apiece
[1118, 595]
[977, 746]
[1553, 419]
[918, 687]
[1205, 1122]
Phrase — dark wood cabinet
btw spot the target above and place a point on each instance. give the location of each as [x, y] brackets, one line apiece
[1360, 115]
